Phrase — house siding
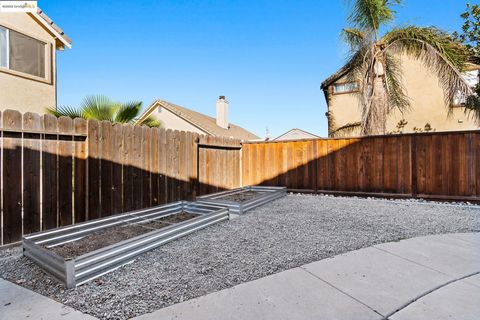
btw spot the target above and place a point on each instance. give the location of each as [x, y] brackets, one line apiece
[170, 120]
[22, 93]
[426, 98]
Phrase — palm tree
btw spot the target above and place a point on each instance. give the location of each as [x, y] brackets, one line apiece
[99, 107]
[374, 61]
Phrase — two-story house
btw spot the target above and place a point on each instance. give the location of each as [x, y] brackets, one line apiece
[427, 111]
[29, 42]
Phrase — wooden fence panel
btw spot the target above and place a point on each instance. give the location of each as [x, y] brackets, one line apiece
[12, 175]
[440, 165]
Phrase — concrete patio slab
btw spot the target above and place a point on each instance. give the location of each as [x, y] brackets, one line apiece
[475, 280]
[469, 237]
[379, 279]
[459, 300]
[292, 294]
[449, 255]
[19, 303]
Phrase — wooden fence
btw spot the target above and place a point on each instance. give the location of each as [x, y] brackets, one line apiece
[56, 172]
[430, 165]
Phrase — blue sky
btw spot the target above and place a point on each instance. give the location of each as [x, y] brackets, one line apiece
[267, 57]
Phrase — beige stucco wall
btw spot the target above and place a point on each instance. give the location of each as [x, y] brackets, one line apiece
[20, 92]
[170, 120]
[427, 104]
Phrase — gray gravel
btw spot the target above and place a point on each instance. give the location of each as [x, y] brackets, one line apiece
[286, 233]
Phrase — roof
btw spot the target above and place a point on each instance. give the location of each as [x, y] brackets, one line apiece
[53, 28]
[334, 77]
[296, 134]
[203, 122]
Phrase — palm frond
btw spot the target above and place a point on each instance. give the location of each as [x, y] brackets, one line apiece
[98, 107]
[438, 51]
[151, 122]
[345, 129]
[397, 99]
[354, 37]
[127, 112]
[371, 14]
[65, 111]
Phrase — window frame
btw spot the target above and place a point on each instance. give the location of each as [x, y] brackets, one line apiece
[48, 58]
[345, 92]
[463, 103]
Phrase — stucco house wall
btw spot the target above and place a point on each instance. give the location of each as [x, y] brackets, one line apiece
[426, 98]
[22, 91]
[169, 120]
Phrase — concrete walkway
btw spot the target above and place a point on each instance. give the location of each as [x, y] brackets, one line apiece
[433, 277]
[20, 303]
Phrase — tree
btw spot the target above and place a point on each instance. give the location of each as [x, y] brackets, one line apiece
[470, 35]
[374, 61]
[99, 107]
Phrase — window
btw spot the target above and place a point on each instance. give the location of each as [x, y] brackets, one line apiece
[345, 87]
[22, 53]
[472, 77]
[3, 48]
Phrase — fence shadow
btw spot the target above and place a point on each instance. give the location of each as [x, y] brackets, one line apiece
[443, 166]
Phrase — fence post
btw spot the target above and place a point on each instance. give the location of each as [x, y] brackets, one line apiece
[413, 164]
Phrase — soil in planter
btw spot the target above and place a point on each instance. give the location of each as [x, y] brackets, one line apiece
[115, 234]
[241, 196]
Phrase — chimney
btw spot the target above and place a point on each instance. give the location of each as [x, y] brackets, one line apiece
[222, 112]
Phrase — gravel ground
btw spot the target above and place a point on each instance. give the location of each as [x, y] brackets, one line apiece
[286, 233]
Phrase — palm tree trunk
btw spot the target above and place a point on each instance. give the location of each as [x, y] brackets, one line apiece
[378, 109]
[376, 118]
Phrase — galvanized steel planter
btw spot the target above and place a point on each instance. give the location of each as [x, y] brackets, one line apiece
[267, 194]
[75, 271]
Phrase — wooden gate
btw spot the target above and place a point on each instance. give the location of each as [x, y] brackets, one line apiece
[219, 164]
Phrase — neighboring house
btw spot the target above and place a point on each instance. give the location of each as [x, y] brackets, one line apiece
[296, 134]
[427, 113]
[175, 117]
[28, 70]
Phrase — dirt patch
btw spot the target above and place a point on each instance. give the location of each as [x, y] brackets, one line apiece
[242, 196]
[115, 234]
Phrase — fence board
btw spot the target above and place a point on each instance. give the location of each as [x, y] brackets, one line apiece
[162, 155]
[49, 174]
[12, 175]
[145, 167]
[117, 167]
[31, 173]
[154, 165]
[65, 163]
[106, 168]
[127, 172]
[80, 170]
[94, 172]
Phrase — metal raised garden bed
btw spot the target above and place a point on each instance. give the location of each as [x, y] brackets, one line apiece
[82, 252]
[243, 199]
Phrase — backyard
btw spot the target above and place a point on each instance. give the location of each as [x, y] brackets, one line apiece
[286, 233]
